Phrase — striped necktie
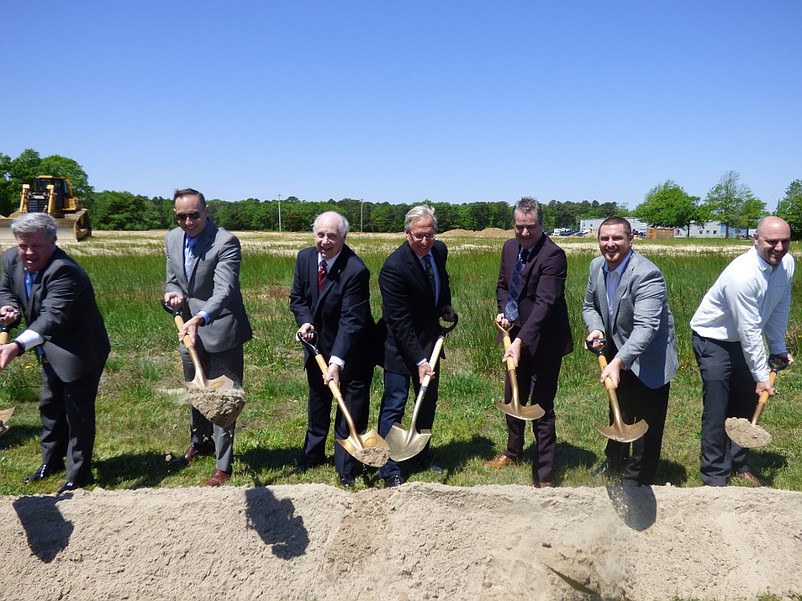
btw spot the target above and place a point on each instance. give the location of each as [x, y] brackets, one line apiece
[321, 275]
[511, 308]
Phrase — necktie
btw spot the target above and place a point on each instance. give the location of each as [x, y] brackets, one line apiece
[427, 265]
[511, 308]
[321, 275]
[189, 254]
[29, 277]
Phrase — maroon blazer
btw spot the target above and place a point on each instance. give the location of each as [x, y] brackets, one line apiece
[543, 325]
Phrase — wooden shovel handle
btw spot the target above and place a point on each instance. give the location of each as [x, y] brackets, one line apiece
[4, 336]
[763, 398]
[608, 382]
[179, 322]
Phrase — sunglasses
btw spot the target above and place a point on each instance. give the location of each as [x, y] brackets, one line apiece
[194, 215]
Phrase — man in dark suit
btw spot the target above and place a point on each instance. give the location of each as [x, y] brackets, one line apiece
[66, 330]
[626, 302]
[415, 294]
[531, 298]
[203, 265]
[330, 299]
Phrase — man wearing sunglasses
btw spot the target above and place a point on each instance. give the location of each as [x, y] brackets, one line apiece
[203, 264]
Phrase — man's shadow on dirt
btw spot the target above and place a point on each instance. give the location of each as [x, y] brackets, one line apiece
[276, 523]
[46, 530]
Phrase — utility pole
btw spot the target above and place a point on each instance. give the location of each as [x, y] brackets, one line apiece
[279, 213]
[360, 215]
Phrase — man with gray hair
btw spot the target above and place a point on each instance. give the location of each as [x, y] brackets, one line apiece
[415, 294]
[330, 299]
[66, 331]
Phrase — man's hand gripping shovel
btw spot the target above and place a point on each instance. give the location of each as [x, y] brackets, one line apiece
[618, 430]
[514, 407]
[368, 448]
[405, 444]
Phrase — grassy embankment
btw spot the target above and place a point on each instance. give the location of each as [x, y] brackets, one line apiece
[139, 419]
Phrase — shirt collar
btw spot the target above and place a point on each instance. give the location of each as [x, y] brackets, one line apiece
[622, 266]
[329, 262]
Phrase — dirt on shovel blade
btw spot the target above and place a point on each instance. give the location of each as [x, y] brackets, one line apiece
[745, 433]
[221, 407]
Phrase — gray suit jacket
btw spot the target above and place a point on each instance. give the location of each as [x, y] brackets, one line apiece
[63, 310]
[642, 326]
[212, 285]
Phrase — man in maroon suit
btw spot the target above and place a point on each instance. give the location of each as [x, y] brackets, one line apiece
[531, 298]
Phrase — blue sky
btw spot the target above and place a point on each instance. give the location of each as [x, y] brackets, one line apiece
[456, 101]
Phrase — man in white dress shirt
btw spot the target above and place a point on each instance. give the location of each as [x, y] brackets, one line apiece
[750, 300]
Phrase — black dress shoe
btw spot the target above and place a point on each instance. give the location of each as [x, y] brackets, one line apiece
[72, 486]
[192, 452]
[45, 470]
[304, 466]
[347, 480]
[393, 482]
[605, 468]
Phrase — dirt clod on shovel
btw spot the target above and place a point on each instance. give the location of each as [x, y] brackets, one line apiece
[746, 434]
[221, 407]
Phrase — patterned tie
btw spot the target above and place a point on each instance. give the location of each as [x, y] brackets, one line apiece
[511, 308]
[189, 254]
[29, 277]
[321, 275]
[427, 265]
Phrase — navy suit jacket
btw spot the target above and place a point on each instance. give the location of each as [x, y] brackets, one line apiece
[410, 314]
[544, 329]
[212, 285]
[63, 310]
[340, 312]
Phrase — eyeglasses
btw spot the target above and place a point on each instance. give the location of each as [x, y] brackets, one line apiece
[194, 215]
[422, 237]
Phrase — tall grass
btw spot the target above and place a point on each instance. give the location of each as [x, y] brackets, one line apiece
[140, 418]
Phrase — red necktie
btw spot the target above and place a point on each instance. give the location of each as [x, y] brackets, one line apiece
[321, 275]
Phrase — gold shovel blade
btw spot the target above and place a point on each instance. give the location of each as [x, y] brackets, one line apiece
[370, 448]
[624, 432]
[527, 413]
[746, 434]
[405, 444]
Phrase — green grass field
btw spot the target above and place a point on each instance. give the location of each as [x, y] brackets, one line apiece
[140, 419]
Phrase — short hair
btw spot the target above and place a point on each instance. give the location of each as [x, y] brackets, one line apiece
[616, 220]
[343, 227]
[528, 205]
[28, 224]
[190, 192]
[419, 212]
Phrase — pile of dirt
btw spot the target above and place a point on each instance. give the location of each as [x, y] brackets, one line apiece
[421, 541]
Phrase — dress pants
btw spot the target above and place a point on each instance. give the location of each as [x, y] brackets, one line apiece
[637, 461]
[67, 411]
[537, 383]
[229, 363]
[728, 391]
[356, 394]
[393, 404]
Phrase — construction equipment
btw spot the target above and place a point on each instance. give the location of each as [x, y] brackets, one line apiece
[54, 196]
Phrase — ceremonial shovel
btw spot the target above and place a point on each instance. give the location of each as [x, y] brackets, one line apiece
[514, 407]
[618, 430]
[368, 448]
[748, 434]
[199, 382]
[405, 444]
[5, 414]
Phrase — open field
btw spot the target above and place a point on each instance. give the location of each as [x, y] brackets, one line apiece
[476, 538]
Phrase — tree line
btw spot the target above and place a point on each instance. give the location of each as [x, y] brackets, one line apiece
[666, 205]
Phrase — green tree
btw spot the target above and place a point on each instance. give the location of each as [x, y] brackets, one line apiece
[668, 205]
[790, 208]
[733, 203]
[124, 211]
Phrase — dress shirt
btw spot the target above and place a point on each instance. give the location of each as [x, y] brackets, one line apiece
[611, 281]
[749, 300]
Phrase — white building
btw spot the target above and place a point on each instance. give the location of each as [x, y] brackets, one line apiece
[711, 229]
[638, 226]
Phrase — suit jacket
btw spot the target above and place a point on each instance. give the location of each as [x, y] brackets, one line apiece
[544, 328]
[340, 312]
[642, 326]
[212, 285]
[63, 310]
[410, 315]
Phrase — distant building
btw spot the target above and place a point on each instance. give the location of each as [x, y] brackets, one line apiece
[592, 225]
[711, 229]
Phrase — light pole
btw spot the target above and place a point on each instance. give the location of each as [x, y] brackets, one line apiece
[279, 213]
[361, 200]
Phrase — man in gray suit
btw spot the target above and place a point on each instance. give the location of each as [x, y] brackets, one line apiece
[66, 331]
[203, 264]
[626, 303]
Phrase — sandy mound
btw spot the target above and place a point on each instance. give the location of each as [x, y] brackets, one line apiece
[422, 541]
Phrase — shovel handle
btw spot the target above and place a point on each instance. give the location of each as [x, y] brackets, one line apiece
[763, 398]
[4, 335]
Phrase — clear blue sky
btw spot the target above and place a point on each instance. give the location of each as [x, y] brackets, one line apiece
[456, 101]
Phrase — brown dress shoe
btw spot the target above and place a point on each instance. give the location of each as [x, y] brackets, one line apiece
[749, 477]
[502, 461]
[192, 452]
[217, 478]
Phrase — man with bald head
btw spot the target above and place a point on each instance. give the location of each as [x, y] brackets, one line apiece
[750, 301]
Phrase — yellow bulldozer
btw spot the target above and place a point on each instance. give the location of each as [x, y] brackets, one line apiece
[52, 195]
